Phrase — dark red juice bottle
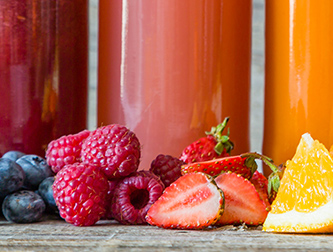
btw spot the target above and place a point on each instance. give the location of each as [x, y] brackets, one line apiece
[43, 72]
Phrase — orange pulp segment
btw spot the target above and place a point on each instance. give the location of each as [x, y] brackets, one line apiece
[304, 202]
[331, 150]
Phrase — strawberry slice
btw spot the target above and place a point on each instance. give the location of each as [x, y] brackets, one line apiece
[243, 164]
[260, 182]
[242, 201]
[191, 202]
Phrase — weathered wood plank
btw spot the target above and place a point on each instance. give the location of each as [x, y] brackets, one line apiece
[56, 235]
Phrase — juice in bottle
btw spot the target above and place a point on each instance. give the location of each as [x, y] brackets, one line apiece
[43, 72]
[299, 74]
[170, 70]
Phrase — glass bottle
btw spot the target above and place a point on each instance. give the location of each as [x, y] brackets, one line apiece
[170, 70]
[43, 72]
[299, 74]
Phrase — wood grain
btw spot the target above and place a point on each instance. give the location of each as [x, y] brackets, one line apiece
[56, 235]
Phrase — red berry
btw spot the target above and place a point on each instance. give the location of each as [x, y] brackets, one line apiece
[80, 192]
[192, 202]
[112, 186]
[242, 201]
[243, 164]
[114, 148]
[134, 195]
[200, 150]
[167, 168]
[214, 145]
[260, 182]
[65, 150]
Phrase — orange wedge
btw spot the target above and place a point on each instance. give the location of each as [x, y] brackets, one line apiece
[304, 202]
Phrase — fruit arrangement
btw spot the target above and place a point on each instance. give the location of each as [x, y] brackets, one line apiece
[95, 175]
[224, 191]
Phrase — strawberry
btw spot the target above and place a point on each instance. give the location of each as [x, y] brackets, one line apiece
[243, 164]
[260, 182]
[242, 201]
[214, 145]
[193, 201]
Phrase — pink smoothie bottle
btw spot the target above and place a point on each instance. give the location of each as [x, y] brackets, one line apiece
[171, 69]
[43, 72]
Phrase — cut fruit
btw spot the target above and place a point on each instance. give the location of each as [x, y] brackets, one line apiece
[331, 151]
[304, 202]
[260, 182]
[191, 202]
[242, 201]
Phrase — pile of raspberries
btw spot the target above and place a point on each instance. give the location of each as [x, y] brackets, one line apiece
[97, 176]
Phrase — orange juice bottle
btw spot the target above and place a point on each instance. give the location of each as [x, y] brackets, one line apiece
[299, 75]
[170, 70]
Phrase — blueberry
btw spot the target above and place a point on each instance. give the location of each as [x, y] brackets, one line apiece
[36, 170]
[23, 207]
[13, 155]
[11, 177]
[46, 192]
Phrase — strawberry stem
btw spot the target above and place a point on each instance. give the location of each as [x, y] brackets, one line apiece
[223, 141]
[274, 178]
[268, 161]
[273, 183]
[251, 163]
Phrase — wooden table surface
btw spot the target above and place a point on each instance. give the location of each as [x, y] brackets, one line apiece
[57, 235]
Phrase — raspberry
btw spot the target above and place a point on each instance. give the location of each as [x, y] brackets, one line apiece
[112, 186]
[168, 168]
[134, 195]
[114, 148]
[80, 192]
[65, 150]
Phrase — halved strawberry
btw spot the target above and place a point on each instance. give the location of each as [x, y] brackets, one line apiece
[191, 202]
[243, 164]
[260, 182]
[242, 201]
